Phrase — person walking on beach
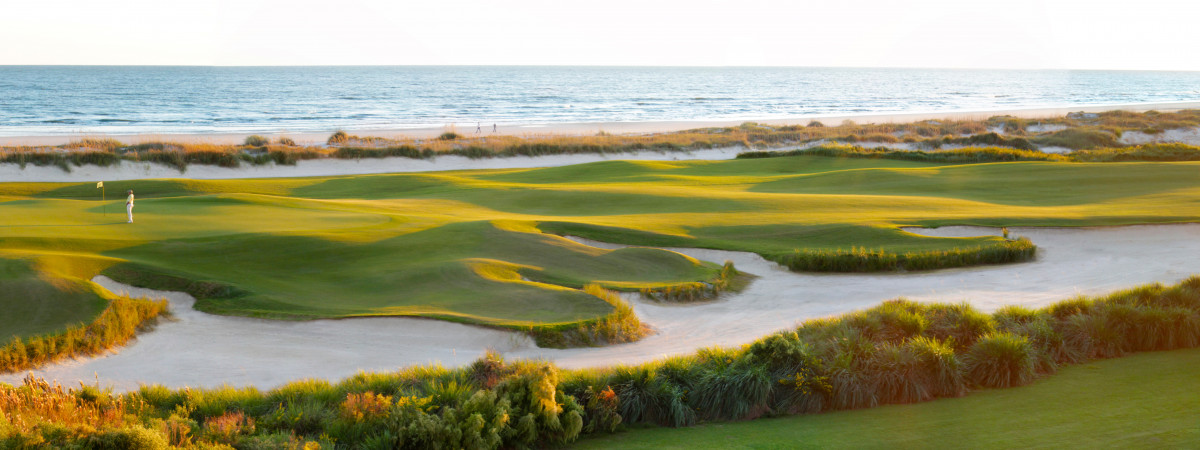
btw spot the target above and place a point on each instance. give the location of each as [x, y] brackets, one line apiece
[493, 128]
[129, 206]
[477, 129]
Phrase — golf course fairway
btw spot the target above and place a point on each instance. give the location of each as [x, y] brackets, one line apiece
[480, 247]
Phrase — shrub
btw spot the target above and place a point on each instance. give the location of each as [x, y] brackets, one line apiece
[449, 136]
[285, 141]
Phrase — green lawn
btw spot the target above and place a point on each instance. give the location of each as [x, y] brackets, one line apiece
[1147, 400]
[479, 246]
[36, 303]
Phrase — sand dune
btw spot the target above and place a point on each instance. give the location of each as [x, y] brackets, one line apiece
[131, 170]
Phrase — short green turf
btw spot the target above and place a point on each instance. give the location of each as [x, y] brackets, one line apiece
[1147, 400]
[37, 303]
[480, 246]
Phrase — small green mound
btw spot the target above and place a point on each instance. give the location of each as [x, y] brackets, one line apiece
[36, 303]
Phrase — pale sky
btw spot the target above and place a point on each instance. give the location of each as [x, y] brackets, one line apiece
[1018, 34]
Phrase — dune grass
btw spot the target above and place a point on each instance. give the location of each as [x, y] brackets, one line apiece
[481, 246]
[1081, 132]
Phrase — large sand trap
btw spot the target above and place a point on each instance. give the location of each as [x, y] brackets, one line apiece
[205, 350]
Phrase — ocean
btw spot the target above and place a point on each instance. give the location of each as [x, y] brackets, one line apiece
[65, 100]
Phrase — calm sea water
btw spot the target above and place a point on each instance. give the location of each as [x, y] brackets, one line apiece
[51, 100]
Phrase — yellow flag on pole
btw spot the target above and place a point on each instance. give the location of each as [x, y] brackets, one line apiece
[99, 185]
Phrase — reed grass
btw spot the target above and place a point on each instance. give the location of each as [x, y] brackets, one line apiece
[728, 279]
[867, 260]
[619, 326]
[115, 326]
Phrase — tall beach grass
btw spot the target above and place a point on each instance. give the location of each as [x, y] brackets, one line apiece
[985, 144]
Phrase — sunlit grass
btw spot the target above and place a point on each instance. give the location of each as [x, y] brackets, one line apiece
[411, 243]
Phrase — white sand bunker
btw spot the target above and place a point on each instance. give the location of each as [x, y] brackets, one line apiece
[199, 349]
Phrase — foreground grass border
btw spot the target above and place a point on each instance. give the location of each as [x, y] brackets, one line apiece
[898, 352]
[1147, 399]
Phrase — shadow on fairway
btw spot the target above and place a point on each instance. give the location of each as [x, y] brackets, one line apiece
[75, 225]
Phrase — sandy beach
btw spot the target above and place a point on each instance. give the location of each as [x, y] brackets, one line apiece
[199, 349]
[309, 138]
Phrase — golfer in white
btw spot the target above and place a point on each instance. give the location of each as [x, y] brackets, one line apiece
[129, 206]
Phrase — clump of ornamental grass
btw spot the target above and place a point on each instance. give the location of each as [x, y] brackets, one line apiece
[958, 325]
[1000, 360]
[647, 397]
